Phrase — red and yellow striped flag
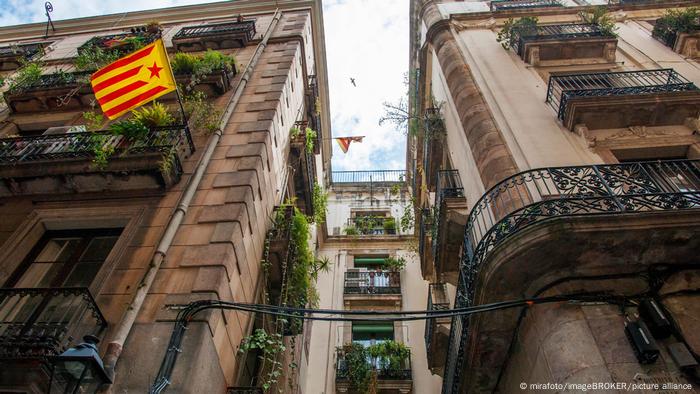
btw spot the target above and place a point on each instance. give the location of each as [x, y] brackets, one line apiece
[133, 80]
[344, 142]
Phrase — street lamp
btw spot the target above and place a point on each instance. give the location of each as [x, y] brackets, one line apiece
[78, 369]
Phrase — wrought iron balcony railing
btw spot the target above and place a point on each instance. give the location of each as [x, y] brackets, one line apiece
[449, 184]
[567, 31]
[382, 368]
[121, 43]
[434, 305]
[540, 195]
[667, 31]
[563, 88]
[372, 282]
[82, 145]
[501, 5]
[379, 176]
[45, 322]
[55, 80]
[23, 50]
[373, 225]
[246, 28]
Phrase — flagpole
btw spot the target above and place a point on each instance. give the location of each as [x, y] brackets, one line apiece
[179, 99]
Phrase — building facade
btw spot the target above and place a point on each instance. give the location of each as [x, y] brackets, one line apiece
[112, 234]
[373, 266]
[554, 153]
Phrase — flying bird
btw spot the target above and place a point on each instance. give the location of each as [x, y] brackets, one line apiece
[352, 81]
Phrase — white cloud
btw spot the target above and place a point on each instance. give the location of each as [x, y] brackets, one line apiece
[365, 39]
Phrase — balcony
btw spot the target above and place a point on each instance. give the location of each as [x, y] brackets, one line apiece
[363, 178]
[507, 5]
[433, 145]
[371, 225]
[392, 379]
[41, 323]
[685, 41]
[121, 43]
[543, 225]
[425, 244]
[614, 100]
[372, 289]
[313, 109]
[213, 84]
[545, 45]
[304, 175]
[437, 331]
[450, 217]
[64, 163]
[215, 36]
[279, 259]
[11, 57]
[52, 92]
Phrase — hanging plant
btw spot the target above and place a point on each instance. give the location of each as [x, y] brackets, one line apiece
[271, 346]
[319, 200]
[513, 29]
[309, 140]
[356, 367]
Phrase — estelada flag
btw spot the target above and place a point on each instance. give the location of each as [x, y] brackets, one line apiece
[133, 80]
[344, 142]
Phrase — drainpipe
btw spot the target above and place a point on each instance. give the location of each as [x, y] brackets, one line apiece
[122, 329]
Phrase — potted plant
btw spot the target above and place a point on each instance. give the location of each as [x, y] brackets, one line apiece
[389, 225]
[210, 73]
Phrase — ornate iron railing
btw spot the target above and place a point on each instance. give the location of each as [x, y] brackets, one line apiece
[44, 322]
[83, 145]
[426, 226]
[449, 185]
[378, 176]
[500, 5]
[540, 195]
[434, 306]
[245, 27]
[24, 50]
[666, 30]
[563, 88]
[373, 225]
[372, 282]
[60, 80]
[381, 368]
[121, 43]
[567, 31]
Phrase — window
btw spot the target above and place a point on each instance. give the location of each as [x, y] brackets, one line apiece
[667, 168]
[370, 333]
[65, 259]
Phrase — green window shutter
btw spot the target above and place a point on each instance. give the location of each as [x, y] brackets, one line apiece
[366, 331]
[362, 261]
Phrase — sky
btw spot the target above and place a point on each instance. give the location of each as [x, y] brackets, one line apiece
[365, 39]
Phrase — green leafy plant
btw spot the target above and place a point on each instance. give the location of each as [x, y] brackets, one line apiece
[131, 129]
[395, 263]
[203, 116]
[102, 150]
[407, 221]
[94, 57]
[294, 132]
[25, 77]
[320, 265]
[351, 230]
[390, 356]
[676, 21]
[200, 66]
[319, 200]
[599, 16]
[309, 140]
[389, 225]
[154, 115]
[93, 120]
[270, 346]
[357, 367]
[513, 29]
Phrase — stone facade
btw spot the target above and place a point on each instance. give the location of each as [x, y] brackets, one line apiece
[520, 140]
[214, 251]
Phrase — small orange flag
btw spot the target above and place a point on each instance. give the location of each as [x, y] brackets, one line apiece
[133, 80]
[344, 142]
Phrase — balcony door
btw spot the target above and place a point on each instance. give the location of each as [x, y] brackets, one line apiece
[54, 277]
